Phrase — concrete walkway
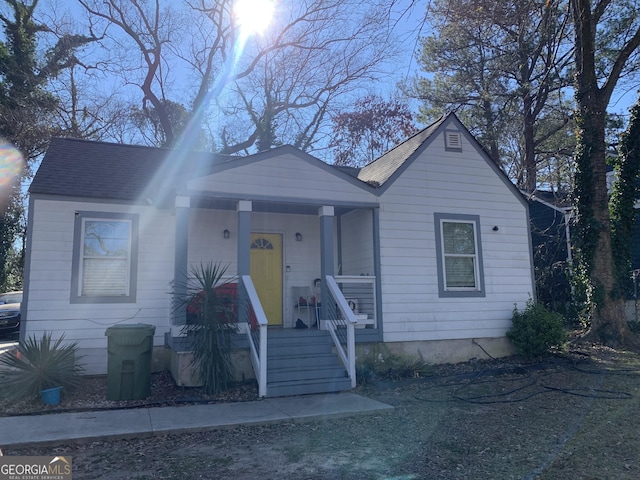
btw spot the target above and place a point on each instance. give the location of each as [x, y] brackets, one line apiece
[59, 428]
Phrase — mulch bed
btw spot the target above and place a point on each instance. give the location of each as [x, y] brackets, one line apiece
[92, 395]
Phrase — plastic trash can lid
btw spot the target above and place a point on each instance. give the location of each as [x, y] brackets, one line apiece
[130, 328]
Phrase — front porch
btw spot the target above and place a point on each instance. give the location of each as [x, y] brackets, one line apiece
[294, 361]
[296, 262]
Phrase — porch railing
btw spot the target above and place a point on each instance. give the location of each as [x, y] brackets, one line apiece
[360, 293]
[341, 324]
[256, 334]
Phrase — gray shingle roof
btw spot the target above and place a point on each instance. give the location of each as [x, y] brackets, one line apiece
[100, 170]
[381, 170]
[81, 168]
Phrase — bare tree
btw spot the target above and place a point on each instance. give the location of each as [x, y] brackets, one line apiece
[260, 90]
[371, 128]
[149, 27]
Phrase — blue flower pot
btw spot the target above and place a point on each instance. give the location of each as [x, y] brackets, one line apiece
[51, 396]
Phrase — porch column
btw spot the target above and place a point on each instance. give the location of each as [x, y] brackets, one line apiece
[181, 259]
[326, 214]
[377, 270]
[244, 237]
[244, 208]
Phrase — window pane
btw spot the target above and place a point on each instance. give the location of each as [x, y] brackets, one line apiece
[458, 238]
[104, 276]
[106, 238]
[106, 254]
[460, 272]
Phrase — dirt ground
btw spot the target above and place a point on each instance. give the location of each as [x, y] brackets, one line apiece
[568, 416]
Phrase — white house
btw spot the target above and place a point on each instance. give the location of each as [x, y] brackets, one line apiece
[426, 249]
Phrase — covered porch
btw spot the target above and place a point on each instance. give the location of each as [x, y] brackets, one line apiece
[305, 264]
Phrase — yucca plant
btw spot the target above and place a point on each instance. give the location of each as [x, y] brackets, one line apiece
[212, 322]
[38, 365]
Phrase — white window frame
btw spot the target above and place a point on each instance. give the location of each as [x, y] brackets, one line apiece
[445, 290]
[128, 295]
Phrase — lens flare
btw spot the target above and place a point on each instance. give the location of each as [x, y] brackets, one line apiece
[254, 15]
[11, 163]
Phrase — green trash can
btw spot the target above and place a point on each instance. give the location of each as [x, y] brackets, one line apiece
[129, 349]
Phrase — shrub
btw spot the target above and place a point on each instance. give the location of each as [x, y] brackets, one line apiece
[38, 365]
[535, 330]
[211, 327]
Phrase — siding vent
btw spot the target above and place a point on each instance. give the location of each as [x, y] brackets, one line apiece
[453, 141]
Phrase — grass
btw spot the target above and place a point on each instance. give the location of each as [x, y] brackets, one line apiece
[569, 417]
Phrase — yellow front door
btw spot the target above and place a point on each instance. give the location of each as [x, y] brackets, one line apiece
[266, 273]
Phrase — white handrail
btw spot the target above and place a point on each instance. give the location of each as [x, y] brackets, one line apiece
[349, 357]
[258, 359]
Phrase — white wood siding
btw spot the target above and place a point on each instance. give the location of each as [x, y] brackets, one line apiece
[287, 177]
[206, 240]
[451, 183]
[301, 260]
[357, 243]
[49, 308]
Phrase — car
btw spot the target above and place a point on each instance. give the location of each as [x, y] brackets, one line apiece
[10, 313]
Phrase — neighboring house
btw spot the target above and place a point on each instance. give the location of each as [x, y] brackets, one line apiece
[551, 238]
[428, 248]
[550, 235]
[635, 241]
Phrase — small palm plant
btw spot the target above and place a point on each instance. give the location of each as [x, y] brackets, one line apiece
[212, 324]
[38, 365]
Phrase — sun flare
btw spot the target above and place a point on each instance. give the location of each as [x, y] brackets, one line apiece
[253, 15]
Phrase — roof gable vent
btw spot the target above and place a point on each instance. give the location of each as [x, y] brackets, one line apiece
[453, 140]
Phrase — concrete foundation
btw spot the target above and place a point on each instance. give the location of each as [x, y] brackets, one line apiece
[185, 374]
[440, 351]
[435, 352]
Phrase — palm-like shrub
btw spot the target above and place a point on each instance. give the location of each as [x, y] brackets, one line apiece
[212, 322]
[38, 365]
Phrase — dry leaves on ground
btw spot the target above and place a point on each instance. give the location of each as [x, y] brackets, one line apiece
[92, 394]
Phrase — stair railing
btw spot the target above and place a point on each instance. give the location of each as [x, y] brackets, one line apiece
[343, 320]
[257, 335]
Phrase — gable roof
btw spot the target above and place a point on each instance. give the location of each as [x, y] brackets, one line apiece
[100, 170]
[345, 173]
[382, 169]
[382, 172]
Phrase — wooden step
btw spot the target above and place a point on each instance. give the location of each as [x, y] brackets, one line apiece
[302, 361]
[307, 387]
[284, 375]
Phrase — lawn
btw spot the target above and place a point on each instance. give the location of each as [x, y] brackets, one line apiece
[571, 416]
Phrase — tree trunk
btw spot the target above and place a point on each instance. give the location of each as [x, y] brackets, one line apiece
[529, 164]
[608, 323]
